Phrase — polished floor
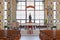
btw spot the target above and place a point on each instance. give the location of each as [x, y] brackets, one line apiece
[27, 36]
[33, 36]
[30, 37]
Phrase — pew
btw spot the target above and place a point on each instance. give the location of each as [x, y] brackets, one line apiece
[45, 35]
[57, 35]
[10, 34]
[49, 34]
[14, 34]
[2, 35]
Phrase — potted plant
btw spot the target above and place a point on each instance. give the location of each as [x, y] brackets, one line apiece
[54, 27]
[45, 21]
[6, 27]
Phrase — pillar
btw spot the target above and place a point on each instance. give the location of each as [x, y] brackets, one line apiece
[1, 14]
[9, 20]
[13, 8]
[49, 13]
[58, 15]
[46, 12]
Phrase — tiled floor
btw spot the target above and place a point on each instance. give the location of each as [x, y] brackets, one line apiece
[30, 37]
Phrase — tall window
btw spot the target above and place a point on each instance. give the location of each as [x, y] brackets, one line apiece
[37, 13]
[20, 13]
[5, 13]
[54, 13]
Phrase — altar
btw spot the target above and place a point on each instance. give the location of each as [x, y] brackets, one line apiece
[29, 26]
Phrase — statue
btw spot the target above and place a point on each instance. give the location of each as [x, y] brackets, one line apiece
[29, 17]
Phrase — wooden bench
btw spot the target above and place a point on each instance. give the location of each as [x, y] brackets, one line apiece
[10, 34]
[2, 35]
[49, 34]
[57, 35]
[45, 35]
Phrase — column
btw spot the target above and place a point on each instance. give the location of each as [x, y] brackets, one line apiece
[9, 20]
[58, 15]
[1, 14]
[46, 12]
[49, 13]
[13, 11]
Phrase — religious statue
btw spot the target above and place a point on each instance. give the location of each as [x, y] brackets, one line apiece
[30, 17]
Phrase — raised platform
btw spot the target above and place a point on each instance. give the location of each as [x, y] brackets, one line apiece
[31, 24]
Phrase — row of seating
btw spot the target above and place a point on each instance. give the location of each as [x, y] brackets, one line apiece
[10, 34]
[49, 34]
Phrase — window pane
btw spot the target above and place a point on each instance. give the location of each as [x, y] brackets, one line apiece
[22, 7]
[5, 3]
[31, 20]
[20, 15]
[18, 7]
[30, 3]
[5, 14]
[21, 3]
[41, 22]
[36, 21]
[54, 8]
[36, 7]
[41, 3]
[30, 0]
[5, 7]
[30, 9]
[18, 21]
[54, 15]
[20, 0]
[54, 22]
[22, 21]
[41, 7]
[39, 14]
[5, 22]
[39, 0]
[32, 14]
[37, 3]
